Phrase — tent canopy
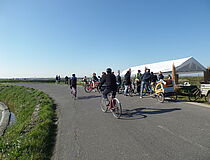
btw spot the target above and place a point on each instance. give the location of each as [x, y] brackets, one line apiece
[184, 65]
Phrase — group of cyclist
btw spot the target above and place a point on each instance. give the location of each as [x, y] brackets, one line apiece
[108, 82]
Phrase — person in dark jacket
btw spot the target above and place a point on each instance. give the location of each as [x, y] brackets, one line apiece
[103, 77]
[56, 79]
[138, 81]
[85, 80]
[118, 79]
[160, 76]
[73, 84]
[146, 77]
[110, 84]
[66, 79]
[127, 81]
[94, 80]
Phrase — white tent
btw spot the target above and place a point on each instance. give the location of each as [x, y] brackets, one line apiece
[184, 65]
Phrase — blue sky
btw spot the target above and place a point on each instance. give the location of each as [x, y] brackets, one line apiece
[42, 38]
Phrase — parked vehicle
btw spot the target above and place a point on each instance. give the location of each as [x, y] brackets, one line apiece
[205, 91]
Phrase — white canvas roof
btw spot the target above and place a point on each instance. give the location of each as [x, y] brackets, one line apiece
[184, 65]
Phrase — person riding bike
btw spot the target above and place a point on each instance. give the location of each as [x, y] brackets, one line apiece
[110, 84]
[94, 80]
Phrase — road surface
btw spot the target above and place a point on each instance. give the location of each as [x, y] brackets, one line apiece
[148, 130]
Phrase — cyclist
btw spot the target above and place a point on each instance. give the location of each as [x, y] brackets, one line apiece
[73, 84]
[85, 80]
[110, 84]
[94, 79]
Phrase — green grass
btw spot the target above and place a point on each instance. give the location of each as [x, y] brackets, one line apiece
[192, 80]
[37, 81]
[31, 137]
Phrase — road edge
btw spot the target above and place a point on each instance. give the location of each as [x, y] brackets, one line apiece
[199, 104]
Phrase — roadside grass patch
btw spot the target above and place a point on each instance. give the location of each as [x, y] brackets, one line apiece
[32, 135]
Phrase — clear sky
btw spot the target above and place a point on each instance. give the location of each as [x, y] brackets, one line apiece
[42, 38]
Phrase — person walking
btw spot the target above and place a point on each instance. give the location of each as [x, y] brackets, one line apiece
[119, 79]
[59, 79]
[73, 85]
[66, 79]
[146, 77]
[56, 79]
[127, 83]
[138, 81]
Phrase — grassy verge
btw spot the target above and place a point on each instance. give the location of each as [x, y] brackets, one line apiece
[31, 137]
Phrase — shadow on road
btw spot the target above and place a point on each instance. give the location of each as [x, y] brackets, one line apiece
[140, 113]
[87, 97]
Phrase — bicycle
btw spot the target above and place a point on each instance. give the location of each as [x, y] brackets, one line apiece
[89, 87]
[114, 106]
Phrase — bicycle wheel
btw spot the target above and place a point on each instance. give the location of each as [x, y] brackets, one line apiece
[88, 88]
[117, 108]
[195, 94]
[160, 97]
[120, 89]
[103, 105]
[130, 92]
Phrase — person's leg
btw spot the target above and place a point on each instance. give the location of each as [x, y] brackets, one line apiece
[149, 87]
[126, 89]
[74, 91]
[105, 93]
[142, 88]
[138, 87]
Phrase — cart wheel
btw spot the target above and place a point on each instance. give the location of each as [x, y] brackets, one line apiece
[174, 97]
[160, 97]
[195, 94]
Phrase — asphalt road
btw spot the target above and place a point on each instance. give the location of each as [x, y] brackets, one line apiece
[148, 130]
